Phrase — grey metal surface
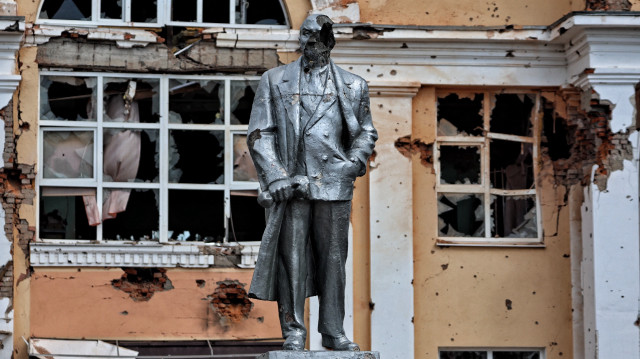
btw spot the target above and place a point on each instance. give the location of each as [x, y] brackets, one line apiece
[285, 354]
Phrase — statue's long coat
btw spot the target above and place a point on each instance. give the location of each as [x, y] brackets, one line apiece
[273, 139]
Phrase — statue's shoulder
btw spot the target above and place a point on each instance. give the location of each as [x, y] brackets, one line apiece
[351, 78]
[278, 72]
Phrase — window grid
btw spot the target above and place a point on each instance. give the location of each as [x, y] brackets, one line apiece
[484, 188]
[163, 126]
[490, 352]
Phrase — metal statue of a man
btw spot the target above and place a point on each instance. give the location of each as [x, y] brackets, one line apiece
[310, 136]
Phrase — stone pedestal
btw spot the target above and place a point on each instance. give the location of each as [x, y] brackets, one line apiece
[320, 354]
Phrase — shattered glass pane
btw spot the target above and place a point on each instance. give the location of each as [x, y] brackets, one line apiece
[131, 100]
[511, 165]
[242, 94]
[196, 215]
[460, 215]
[243, 167]
[185, 10]
[247, 217]
[130, 214]
[514, 216]
[199, 102]
[196, 156]
[130, 155]
[66, 10]
[463, 355]
[512, 114]
[111, 9]
[460, 116]
[68, 154]
[516, 355]
[144, 10]
[459, 164]
[215, 11]
[67, 98]
[262, 12]
[63, 214]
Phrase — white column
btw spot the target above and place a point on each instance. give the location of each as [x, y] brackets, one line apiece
[391, 223]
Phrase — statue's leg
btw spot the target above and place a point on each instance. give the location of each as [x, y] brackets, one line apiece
[292, 273]
[330, 243]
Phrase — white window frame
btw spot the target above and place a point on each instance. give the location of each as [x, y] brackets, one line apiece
[484, 188]
[163, 17]
[163, 126]
[490, 351]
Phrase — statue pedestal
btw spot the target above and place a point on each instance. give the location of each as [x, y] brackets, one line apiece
[318, 354]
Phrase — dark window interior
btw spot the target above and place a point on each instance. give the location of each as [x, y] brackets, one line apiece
[198, 211]
[66, 10]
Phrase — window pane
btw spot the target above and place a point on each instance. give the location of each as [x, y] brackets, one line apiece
[242, 94]
[263, 12]
[200, 213]
[184, 10]
[130, 214]
[512, 114]
[460, 164]
[130, 155]
[243, 168]
[66, 10]
[460, 115]
[460, 215]
[111, 9]
[65, 213]
[144, 11]
[142, 103]
[199, 102]
[514, 216]
[68, 154]
[511, 165]
[247, 217]
[462, 355]
[67, 98]
[516, 355]
[196, 156]
[216, 11]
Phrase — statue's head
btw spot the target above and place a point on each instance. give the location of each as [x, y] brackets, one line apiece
[316, 38]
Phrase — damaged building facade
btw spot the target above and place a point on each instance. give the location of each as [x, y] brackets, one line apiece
[499, 217]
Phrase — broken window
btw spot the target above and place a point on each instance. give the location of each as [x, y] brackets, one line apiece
[490, 354]
[486, 167]
[172, 171]
[66, 10]
[255, 12]
[116, 12]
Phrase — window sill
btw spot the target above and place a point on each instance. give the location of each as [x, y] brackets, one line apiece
[498, 242]
[142, 254]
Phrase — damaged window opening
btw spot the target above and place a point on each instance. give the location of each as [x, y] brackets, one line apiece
[490, 354]
[486, 165]
[145, 13]
[165, 173]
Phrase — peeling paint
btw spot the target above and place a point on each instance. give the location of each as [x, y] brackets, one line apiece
[407, 148]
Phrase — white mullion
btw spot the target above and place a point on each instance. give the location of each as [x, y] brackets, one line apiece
[59, 124]
[232, 12]
[99, 151]
[228, 158]
[95, 13]
[163, 166]
[199, 12]
[131, 125]
[536, 164]
[191, 126]
[131, 185]
[490, 354]
[485, 158]
[127, 10]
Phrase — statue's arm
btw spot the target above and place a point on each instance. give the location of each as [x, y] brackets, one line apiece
[262, 137]
[362, 145]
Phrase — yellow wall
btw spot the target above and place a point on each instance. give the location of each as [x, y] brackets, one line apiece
[460, 293]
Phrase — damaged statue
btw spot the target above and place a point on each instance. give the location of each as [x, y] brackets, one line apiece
[310, 135]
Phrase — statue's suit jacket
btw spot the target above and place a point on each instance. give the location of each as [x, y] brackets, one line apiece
[276, 136]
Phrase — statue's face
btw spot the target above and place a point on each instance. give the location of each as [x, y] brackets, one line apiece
[316, 37]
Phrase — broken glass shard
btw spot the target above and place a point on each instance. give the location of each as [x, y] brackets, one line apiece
[111, 9]
[131, 100]
[197, 155]
[243, 167]
[63, 213]
[68, 154]
[130, 214]
[460, 116]
[67, 98]
[66, 10]
[459, 164]
[242, 94]
[514, 216]
[511, 114]
[197, 102]
[199, 212]
[511, 165]
[247, 217]
[460, 215]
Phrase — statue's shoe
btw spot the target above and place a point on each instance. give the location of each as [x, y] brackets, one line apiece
[294, 342]
[340, 342]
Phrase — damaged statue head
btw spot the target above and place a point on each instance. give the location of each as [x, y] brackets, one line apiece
[310, 136]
